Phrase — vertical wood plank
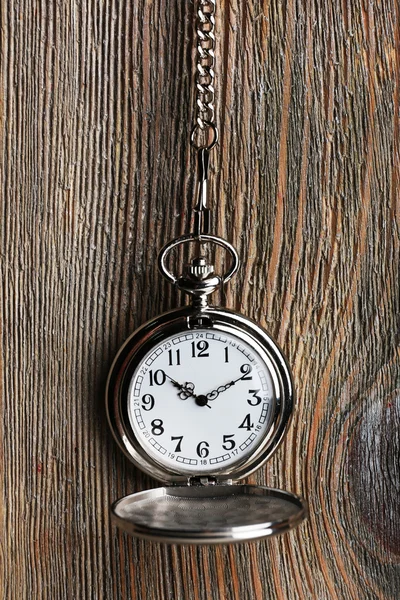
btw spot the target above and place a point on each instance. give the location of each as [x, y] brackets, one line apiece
[96, 174]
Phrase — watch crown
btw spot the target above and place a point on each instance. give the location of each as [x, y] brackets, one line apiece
[199, 280]
[200, 268]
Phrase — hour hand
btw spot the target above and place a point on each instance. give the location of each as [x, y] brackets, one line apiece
[185, 389]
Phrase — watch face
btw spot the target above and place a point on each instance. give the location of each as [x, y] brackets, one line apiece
[202, 400]
[199, 394]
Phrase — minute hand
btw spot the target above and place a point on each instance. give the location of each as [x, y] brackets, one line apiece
[222, 388]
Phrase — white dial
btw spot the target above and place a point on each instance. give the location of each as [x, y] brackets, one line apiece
[201, 401]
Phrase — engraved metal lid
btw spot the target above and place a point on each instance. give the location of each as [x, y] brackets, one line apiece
[213, 514]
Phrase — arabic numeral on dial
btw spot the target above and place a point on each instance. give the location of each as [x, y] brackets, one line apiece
[202, 449]
[201, 348]
[226, 349]
[148, 402]
[157, 427]
[157, 377]
[228, 444]
[256, 400]
[246, 369]
[174, 359]
[179, 444]
[247, 424]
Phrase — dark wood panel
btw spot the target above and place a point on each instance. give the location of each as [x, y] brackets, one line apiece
[96, 174]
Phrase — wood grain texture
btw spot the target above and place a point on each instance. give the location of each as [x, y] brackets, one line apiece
[96, 174]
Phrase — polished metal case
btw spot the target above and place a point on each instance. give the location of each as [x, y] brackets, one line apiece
[176, 322]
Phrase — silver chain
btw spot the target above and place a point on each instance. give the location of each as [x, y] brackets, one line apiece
[205, 75]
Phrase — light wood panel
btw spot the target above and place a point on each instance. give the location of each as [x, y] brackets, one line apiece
[96, 174]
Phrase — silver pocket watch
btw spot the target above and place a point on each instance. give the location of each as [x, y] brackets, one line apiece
[199, 398]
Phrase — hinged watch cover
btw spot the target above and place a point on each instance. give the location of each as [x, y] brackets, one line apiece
[219, 514]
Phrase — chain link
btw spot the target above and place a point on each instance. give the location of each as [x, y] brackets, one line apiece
[205, 75]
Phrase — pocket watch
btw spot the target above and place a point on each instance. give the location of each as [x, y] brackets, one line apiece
[201, 396]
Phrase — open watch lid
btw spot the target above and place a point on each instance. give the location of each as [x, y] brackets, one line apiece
[208, 514]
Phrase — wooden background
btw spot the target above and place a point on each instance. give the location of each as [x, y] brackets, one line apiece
[96, 174]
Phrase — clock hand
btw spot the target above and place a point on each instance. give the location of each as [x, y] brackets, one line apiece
[222, 388]
[186, 389]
